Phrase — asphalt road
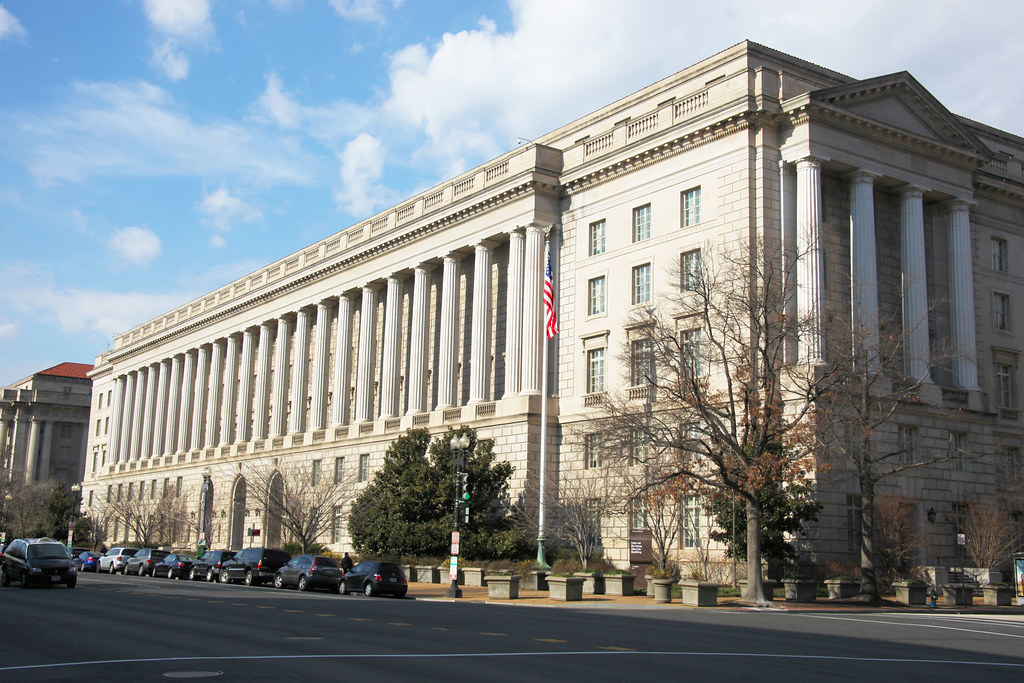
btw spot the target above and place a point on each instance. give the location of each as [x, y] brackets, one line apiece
[137, 628]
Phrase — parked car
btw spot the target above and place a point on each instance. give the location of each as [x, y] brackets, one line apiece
[142, 562]
[87, 561]
[173, 566]
[38, 561]
[113, 560]
[208, 566]
[375, 578]
[253, 566]
[309, 572]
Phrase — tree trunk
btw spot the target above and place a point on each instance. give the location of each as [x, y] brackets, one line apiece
[754, 592]
[868, 582]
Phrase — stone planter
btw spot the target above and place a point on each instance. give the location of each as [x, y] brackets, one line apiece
[662, 590]
[911, 593]
[410, 572]
[474, 576]
[565, 588]
[535, 580]
[425, 574]
[984, 576]
[593, 582]
[700, 593]
[619, 584]
[799, 590]
[839, 589]
[767, 585]
[957, 595]
[997, 595]
[502, 586]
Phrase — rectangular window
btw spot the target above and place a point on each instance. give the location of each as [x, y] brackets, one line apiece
[339, 470]
[120, 491]
[637, 515]
[593, 447]
[315, 474]
[1000, 262]
[65, 431]
[642, 284]
[97, 427]
[595, 371]
[109, 394]
[642, 223]
[167, 487]
[689, 271]
[639, 447]
[597, 238]
[90, 497]
[99, 401]
[691, 522]
[1001, 311]
[1004, 385]
[67, 390]
[596, 296]
[110, 490]
[853, 516]
[339, 521]
[152, 489]
[364, 467]
[693, 352]
[691, 207]
[106, 425]
[908, 444]
[958, 451]
[641, 363]
[1011, 464]
[142, 490]
[177, 488]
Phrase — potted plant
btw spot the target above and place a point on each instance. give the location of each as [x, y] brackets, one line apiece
[699, 593]
[842, 588]
[618, 582]
[911, 591]
[565, 587]
[533, 577]
[593, 582]
[662, 581]
[997, 593]
[801, 589]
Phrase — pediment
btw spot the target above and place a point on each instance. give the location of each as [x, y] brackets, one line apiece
[899, 102]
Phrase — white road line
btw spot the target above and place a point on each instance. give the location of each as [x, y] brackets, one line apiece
[935, 626]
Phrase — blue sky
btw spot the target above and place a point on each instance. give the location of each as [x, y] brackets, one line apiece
[152, 150]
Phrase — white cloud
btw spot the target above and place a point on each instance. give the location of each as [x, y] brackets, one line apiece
[10, 27]
[136, 245]
[186, 19]
[278, 104]
[221, 210]
[362, 163]
[135, 129]
[172, 60]
[362, 10]
[7, 329]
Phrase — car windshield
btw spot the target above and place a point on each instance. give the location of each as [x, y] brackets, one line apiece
[48, 551]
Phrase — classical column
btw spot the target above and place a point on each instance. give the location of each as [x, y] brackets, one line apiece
[173, 407]
[364, 363]
[961, 295]
[185, 410]
[3, 438]
[418, 341]
[279, 390]
[342, 361]
[126, 417]
[46, 450]
[199, 398]
[810, 270]
[787, 217]
[480, 342]
[259, 410]
[533, 311]
[137, 410]
[392, 349]
[243, 419]
[230, 403]
[863, 265]
[163, 372]
[514, 315]
[116, 411]
[149, 412]
[915, 285]
[448, 347]
[300, 372]
[321, 349]
[31, 455]
[213, 394]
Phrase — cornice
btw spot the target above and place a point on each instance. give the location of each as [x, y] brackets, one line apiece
[997, 187]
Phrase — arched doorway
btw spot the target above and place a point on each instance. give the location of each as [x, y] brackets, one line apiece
[275, 506]
[238, 515]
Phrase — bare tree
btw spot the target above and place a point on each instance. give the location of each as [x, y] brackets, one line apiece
[989, 534]
[299, 497]
[574, 517]
[897, 538]
[715, 400]
[23, 507]
[143, 517]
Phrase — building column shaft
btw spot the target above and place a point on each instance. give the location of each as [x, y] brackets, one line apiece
[321, 350]
[418, 342]
[279, 392]
[788, 219]
[32, 454]
[300, 372]
[961, 296]
[448, 347]
[173, 407]
[126, 417]
[46, 451]
[863, 266]
[342, 362]
[149, 413]
[243, 418]
[480, 343]
[137, 412]
[533, 310]
[185, 411]
[389, 374]
[213, 395]
[202, 381]
[163, 371]
[230, 403]
[259, 411]
[364, 363]
[810, 271]
[915, 285]
[514, 314]
[116, 411]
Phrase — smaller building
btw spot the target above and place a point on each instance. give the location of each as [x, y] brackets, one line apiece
[44, 424]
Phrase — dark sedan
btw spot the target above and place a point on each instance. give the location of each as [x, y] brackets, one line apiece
[87, 561]
[375, 578]
[208, 566]
[142, 562]
[174, 566]
[308, 572]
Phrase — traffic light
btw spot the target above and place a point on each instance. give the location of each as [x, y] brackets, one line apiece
[465, 500]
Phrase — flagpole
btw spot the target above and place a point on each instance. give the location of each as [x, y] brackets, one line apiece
[541, 562]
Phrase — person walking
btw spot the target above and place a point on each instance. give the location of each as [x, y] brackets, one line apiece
[346, 563]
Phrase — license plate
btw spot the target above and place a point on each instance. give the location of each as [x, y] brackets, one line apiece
[55, 578]
[393, 580]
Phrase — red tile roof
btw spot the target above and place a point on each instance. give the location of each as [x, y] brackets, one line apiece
[75, 370]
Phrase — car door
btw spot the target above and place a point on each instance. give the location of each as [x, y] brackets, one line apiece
[236, 566]
[290, 572]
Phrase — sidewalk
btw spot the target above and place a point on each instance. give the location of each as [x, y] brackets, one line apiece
[475, 594]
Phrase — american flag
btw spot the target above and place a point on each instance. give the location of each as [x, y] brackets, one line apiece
[550, 319]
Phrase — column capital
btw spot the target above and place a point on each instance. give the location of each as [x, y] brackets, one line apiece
[862, 176]
[959, 204]
[911, 190]
[810, 161]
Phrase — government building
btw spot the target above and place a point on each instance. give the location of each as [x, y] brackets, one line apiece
[430, 314]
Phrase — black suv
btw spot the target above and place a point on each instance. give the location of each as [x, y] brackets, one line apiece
[208, 566]
[38, 560]
[142, 562]
[253, 566]
[375, 578]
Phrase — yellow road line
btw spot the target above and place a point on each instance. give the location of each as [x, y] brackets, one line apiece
[549, 640]
[493, 634]
[617, 649]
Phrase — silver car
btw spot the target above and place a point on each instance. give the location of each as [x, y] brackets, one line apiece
[115, 558]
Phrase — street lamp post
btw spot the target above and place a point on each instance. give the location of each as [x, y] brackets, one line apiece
[76, 497]
[459, 446]
[204, 498]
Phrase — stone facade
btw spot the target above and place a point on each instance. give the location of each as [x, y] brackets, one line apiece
[429, 314]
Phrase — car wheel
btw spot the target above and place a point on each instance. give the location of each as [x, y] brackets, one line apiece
[191, 574]
[110, 568]
[303, 583]
[210, 576]
[141, 570]
[368, 589]
[224, 576]
[72, 584]
[5, 578]
[344, 588]
[278, 581]
[248, 578]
